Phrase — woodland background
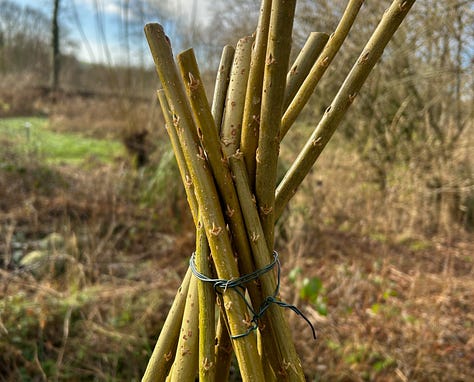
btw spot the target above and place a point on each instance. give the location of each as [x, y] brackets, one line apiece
[95, 233]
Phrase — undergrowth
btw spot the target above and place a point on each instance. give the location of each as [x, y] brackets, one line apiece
[91, 256]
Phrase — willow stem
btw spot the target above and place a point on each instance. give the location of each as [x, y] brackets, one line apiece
[212, 145]
[334, 114]
[232, 123]
[305, 60]
[274, 81]
[164, 352]
[223, 345]
[223, 350]
[208, 201]
[225, 356]
[275, 323]
[276, 334]
[207, 298]
[186, 362]
[222, 83]
[178, 152]
[223, 336]
[253, 98]
[329, 52]
[230, 139]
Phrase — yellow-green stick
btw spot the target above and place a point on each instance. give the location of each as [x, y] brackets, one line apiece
[276, 327]
[325, 58]
[219, 98]
[334, 114]
[223, 350]
[274, 82]
[235, 101]
[185, 365]
[164, 352]
[179, 155]
[275, 333]
[208, 200]
[305, 60]
[222, 82]
[253, 98]
[212, 145]
[207, 301]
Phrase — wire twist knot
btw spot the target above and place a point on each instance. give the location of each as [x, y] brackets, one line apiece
[237, 284]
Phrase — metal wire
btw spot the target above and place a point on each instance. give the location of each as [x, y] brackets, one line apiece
[237, 284]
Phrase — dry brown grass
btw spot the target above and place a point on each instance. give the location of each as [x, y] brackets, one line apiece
[97, 316]
[17, 97]
[397, 267]
[400, 297]
[394, 313]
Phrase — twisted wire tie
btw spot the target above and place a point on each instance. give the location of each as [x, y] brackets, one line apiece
[221, 286]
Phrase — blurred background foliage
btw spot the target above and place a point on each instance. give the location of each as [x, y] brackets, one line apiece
[95, 231]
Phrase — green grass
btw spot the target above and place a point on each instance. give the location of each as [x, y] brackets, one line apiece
[32, 135]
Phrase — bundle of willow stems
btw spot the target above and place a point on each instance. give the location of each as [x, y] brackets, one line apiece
[227, 153]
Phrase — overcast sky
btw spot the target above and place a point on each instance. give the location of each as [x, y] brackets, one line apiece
[90, 41]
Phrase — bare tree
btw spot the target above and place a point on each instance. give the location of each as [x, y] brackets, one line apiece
[55, 51]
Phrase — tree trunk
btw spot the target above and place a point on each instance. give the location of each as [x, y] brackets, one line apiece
[55, 52]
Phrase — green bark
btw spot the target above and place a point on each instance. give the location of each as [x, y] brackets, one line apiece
[178, 153]
[207, 301]
[300, 69]
[222, 82]
[223, 350]
[278, 341]
[276, 335]
[253, 98]
[208, 201]
[216, 157]
[223, 345]
[334, 114]
[322, 63]
[225, 355]
[185, 365]
[164, 352]
[232, 122]
[274, 82]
